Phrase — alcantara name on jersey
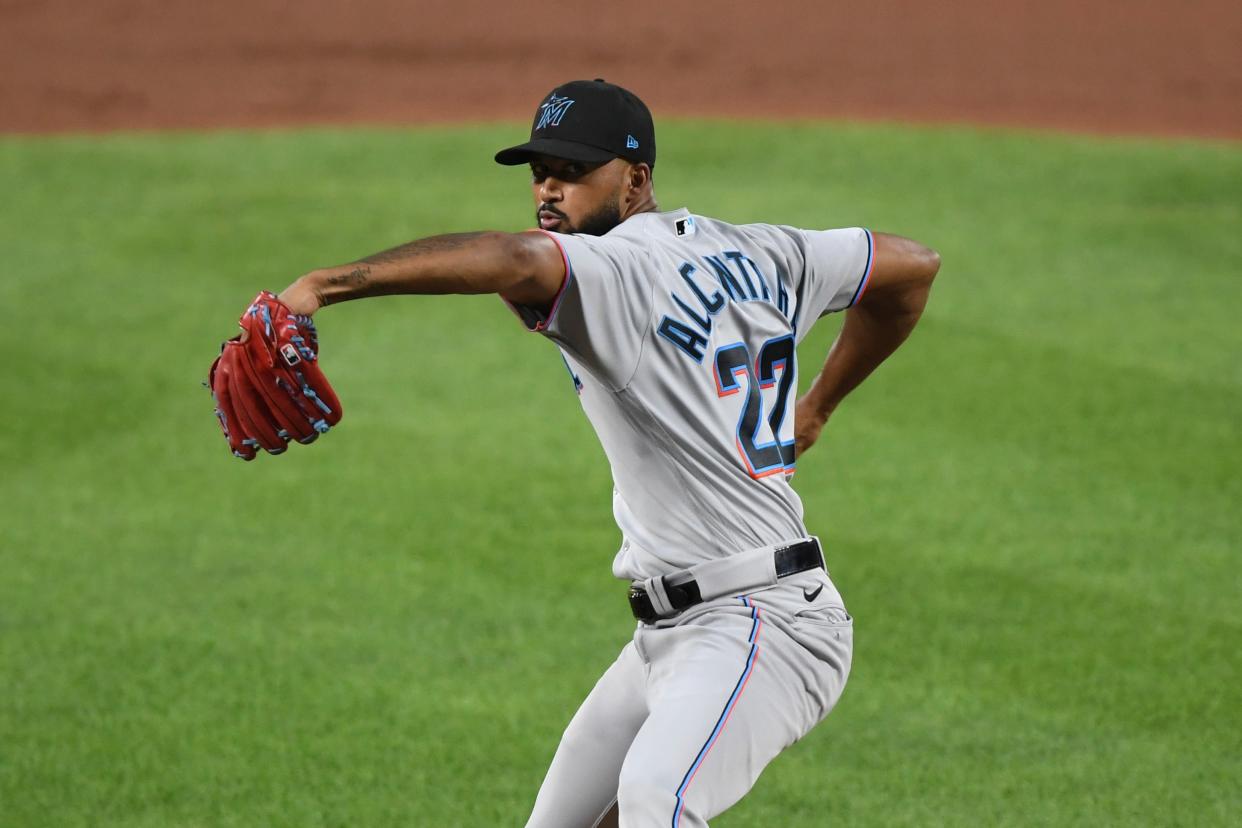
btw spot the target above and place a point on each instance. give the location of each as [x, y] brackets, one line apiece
[732, 270]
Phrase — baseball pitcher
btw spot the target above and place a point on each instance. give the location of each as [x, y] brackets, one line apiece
[680, 334]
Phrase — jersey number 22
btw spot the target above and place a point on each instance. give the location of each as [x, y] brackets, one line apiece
[734, 361]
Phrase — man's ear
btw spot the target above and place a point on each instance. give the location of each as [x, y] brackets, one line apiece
[640, 175]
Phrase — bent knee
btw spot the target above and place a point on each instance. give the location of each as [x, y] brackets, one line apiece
[642, 800]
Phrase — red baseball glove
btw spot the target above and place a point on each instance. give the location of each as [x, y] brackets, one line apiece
[267, 384]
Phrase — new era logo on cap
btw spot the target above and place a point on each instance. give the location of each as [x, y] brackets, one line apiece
[631, 142]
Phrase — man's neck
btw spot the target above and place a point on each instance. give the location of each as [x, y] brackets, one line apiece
[646, 204]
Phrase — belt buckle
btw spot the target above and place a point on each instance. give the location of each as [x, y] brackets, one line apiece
[640, 605]
[819, 554]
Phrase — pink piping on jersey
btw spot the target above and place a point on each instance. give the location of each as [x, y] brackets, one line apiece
[560, 294]
[862, 286]
[730, 705]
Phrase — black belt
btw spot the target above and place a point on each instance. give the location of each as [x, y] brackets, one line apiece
[790, 560]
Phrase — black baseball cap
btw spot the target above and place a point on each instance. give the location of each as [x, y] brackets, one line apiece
[591, 121]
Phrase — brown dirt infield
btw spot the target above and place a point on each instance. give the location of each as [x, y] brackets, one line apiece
[1152, 66]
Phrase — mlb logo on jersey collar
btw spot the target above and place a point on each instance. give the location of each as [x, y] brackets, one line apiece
[685, 226]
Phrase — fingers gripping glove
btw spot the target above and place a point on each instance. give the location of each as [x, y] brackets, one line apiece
[267, 383]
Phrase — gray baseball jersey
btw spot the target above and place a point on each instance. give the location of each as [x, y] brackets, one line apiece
[680, 334]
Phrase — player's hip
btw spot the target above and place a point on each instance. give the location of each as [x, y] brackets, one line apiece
[804, 646]
[785, 585]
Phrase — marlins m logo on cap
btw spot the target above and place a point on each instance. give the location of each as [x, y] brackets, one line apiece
[608, 122]
[550, 113]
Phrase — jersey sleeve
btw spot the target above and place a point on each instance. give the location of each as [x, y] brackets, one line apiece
[836, 267]
[603, 310]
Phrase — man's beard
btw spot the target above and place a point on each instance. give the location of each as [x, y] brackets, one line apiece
[598, 223]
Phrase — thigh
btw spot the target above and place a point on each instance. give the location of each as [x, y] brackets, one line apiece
[581, 782]
[726, 695]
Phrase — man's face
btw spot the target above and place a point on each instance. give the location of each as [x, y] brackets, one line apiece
[577, 197]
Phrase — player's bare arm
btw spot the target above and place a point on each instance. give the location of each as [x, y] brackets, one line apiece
[524, 268]
[266, 383]
[881, 320]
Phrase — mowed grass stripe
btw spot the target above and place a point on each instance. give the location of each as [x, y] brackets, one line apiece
[1031, 510]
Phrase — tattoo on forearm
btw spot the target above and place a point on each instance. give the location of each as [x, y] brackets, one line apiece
[354, 278]
[422, 247]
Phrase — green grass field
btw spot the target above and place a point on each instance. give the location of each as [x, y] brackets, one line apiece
[1034, 510]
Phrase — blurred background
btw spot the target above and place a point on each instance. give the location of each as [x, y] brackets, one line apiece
[1032, 509]
[1146, 65]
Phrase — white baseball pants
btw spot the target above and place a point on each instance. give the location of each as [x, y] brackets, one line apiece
[681, 725]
